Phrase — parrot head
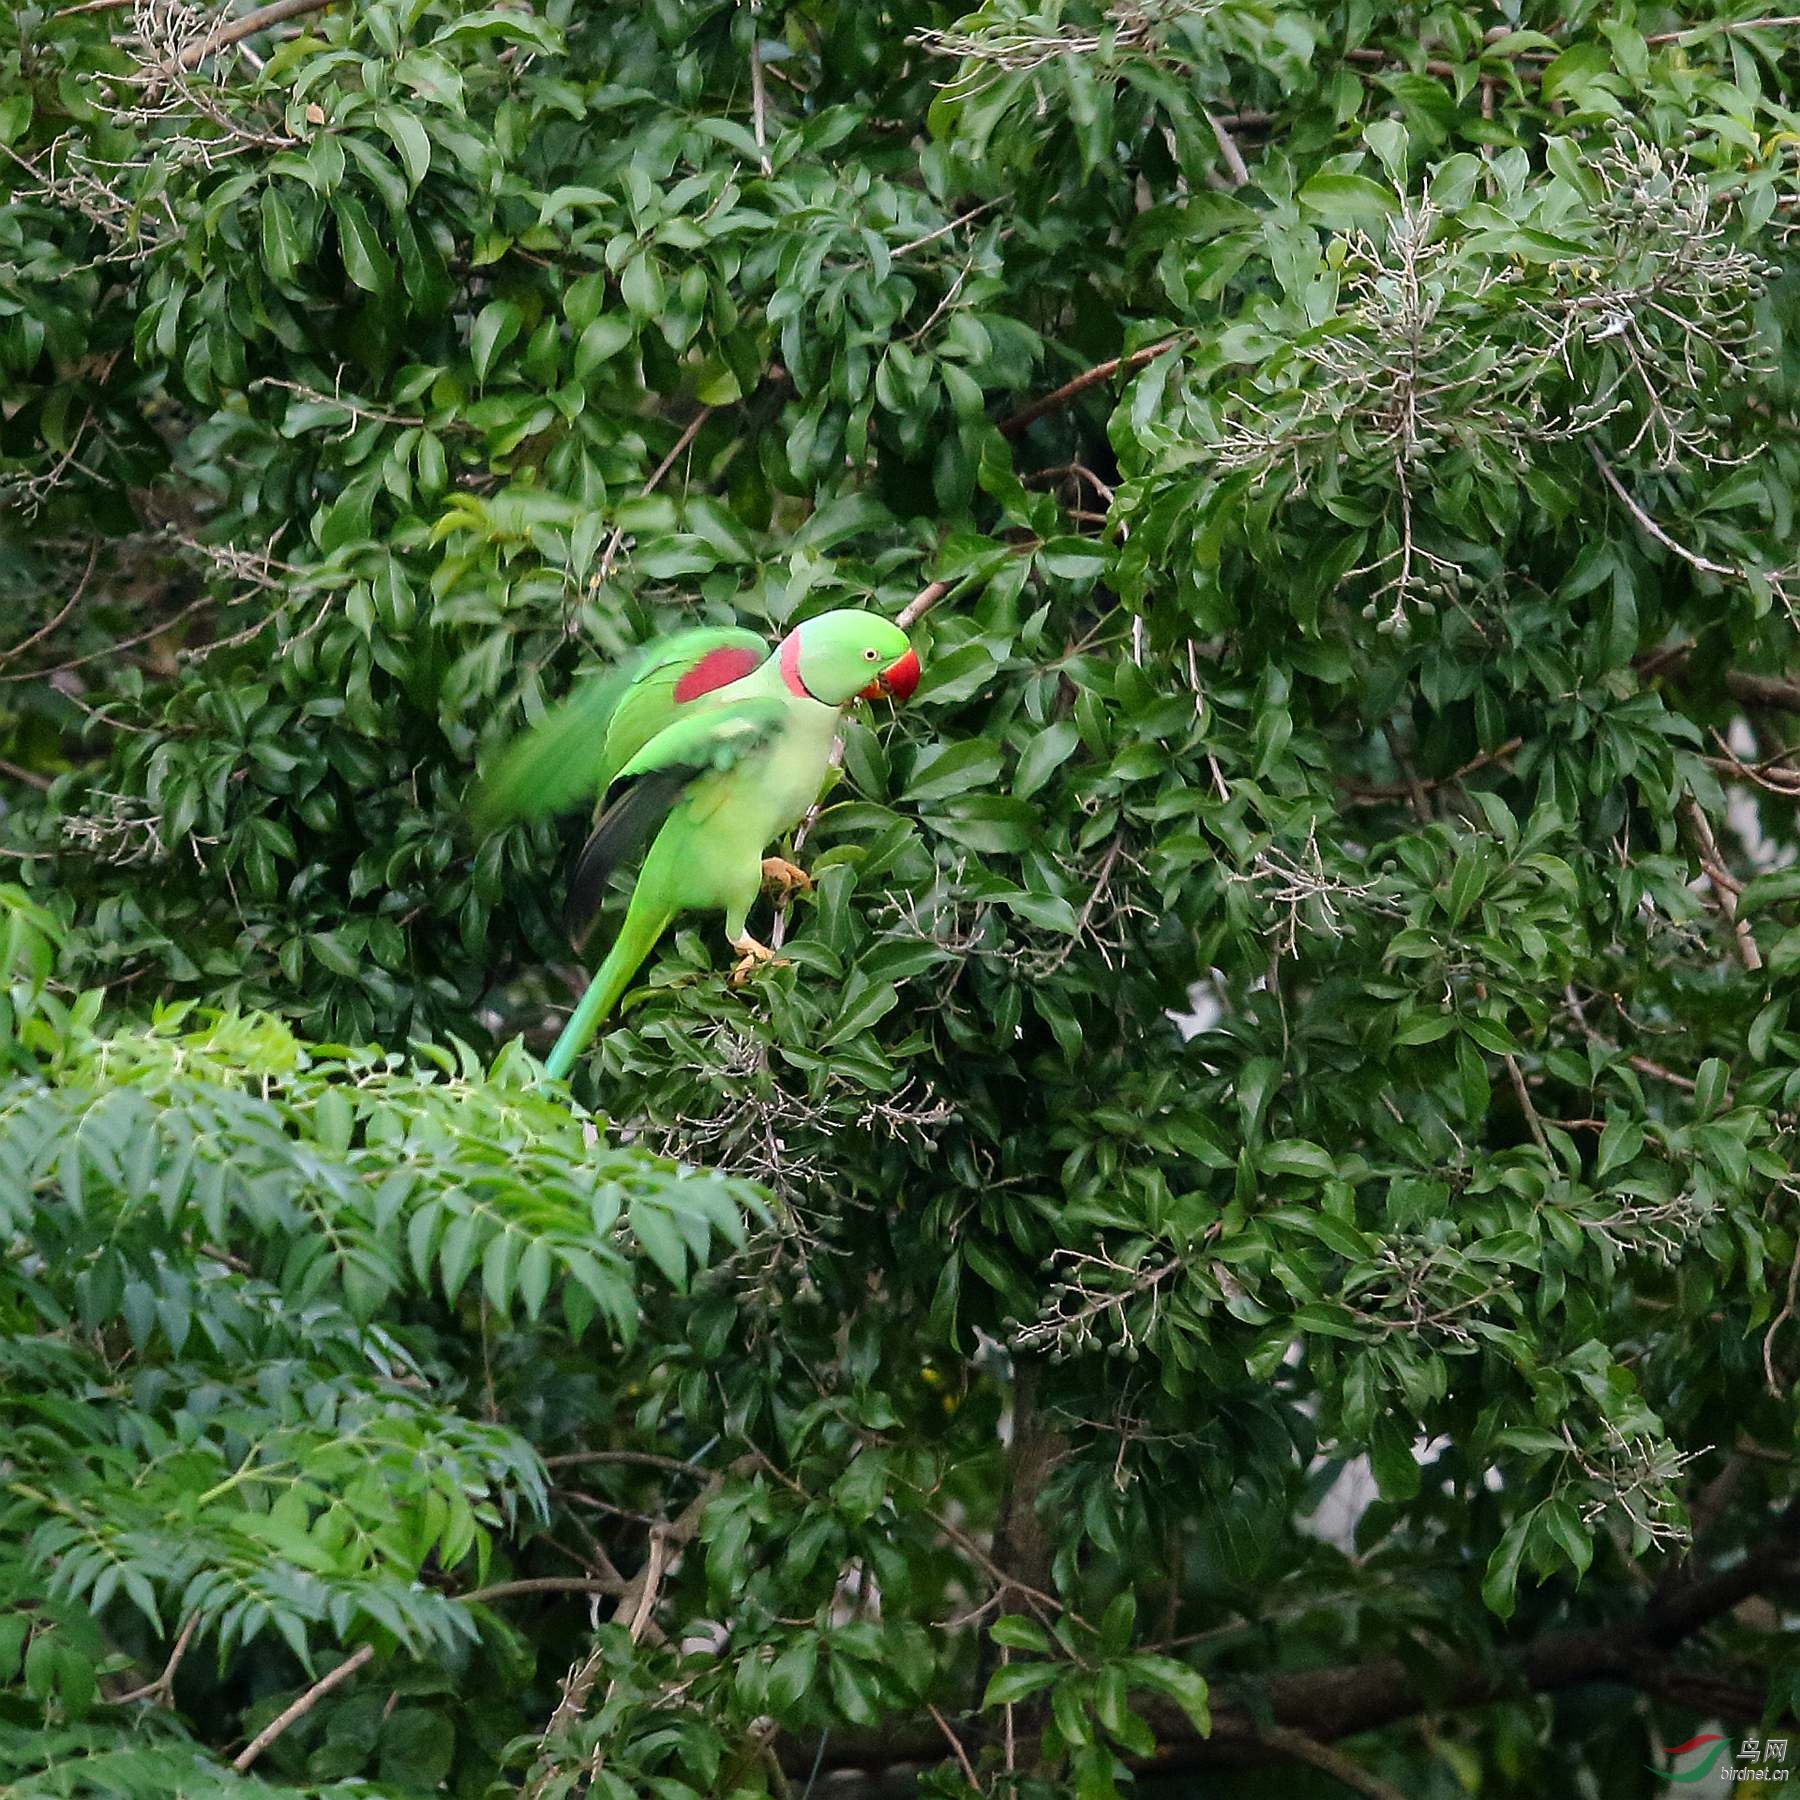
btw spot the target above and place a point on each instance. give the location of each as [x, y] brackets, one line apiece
[849, 655]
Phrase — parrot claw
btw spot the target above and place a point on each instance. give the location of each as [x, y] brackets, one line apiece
[784, 876]
[751, 957]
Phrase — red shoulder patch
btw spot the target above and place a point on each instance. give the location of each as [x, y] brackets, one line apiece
[716, 669]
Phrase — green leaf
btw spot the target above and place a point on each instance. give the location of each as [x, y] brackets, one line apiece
[410, 139]
[654, 1228]
[1116, 1627]
[1019, 1633]
[1185, 1686]
[1499, 1585]
[1347, 202]
[365, 262]
[945, 769]
[1043, 756]
[1018, 1681]
[1296, 1156]
[280, 236]
[1711, 1084]
[1561, 1523]
[14, 1628]
[600, 341]
[497, 324]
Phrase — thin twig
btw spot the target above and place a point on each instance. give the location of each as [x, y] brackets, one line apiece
[43, 631]
[163, 1686]
[30, 777]
[1724, 883]
[1234, 157]
[1360, 794]
[130, 643]
[1054, 402]
[644, 1459]
[1723, 27]
[962, 1756]
[921, 603]
[1650, 527]
[545, 1584]
[1780, 1319]
[759, 99]
[931, 237]
[1643, 1064]
[1414, 789]
[1520, 1092]
[688, 434]
[635, 1605]
[301, 1707]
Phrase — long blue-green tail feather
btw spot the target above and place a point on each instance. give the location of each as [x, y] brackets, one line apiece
[637, 938]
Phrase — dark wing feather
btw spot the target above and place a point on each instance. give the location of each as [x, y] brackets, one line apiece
[652, 784]
[630, 817]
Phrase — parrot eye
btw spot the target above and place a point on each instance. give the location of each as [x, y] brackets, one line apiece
[870, 654]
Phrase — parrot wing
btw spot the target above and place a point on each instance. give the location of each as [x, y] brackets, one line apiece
[679, 671]
[574, 750]
[649, 786]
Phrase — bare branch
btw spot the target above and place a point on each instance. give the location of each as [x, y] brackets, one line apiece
[921, 603]
[230, 31]
[1650, 527]
[545, 1584]
[43, 631]
[301, 1707]
[688, 433]
[1724, 884]
[759, 99]
[161, 1689]
[1234, 157]
[1055, 401]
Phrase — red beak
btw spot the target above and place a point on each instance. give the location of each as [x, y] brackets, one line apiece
[896, 682]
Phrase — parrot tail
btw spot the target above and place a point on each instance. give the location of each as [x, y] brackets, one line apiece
[637, 938]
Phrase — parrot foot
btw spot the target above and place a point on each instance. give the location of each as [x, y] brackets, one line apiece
[751, 957]
[785, 877]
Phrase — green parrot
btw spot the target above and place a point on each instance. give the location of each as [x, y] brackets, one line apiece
[708, 747]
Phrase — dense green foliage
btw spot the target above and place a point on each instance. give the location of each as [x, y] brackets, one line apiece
[1303, 990]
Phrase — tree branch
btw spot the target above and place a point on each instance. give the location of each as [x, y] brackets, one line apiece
[301, 1707]
[1723, 28]
[163, 1687]
[759, 103]
[921, 603]
[642, 1459]
[73, 601]
[635, 1604]
[1724, 884]
[1299, 1713]
[1234, 157]
[1651, 529]
[1332, 1762]
[1371, 794]
[545, 1584]
[1070, 390]
[1774, 692]
[1643, 1064]
[233, 31]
